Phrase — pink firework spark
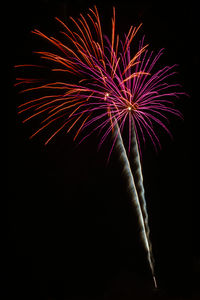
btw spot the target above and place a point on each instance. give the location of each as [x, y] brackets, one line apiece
[109, 87]
[114, 87]
[97, 74]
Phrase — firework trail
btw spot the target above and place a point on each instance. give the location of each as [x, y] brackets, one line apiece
[112, 90]
[135, 198]
[138, 177]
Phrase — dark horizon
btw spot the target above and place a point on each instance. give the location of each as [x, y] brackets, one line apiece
[72, 233]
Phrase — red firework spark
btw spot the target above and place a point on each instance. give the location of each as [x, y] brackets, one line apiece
[110, 86]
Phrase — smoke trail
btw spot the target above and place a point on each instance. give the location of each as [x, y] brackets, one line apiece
[134, 195]
[137, 172]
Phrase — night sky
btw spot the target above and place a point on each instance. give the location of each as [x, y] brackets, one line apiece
[72, 233]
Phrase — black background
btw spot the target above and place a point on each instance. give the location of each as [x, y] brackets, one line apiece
[72, 233]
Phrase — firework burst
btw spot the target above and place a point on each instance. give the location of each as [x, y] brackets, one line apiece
[100, 71]
[109, 88]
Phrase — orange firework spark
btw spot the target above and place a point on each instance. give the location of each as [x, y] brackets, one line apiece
[84, 58]
[107, 88]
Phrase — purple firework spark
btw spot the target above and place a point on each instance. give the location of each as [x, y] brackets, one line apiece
[110, 88]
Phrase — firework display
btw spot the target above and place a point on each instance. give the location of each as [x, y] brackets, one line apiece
[109, 89]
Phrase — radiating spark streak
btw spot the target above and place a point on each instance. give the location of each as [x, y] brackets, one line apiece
[47, 124]
[132, 61]
[37, 100]
[26, 81]
[80, 128]
[89, 35]
[47, 86]
[59, 110]
[28, 65]
[34, 115]
[129, 40]
[135, 75]
[99, 27]
[55, 133]
[77, 119]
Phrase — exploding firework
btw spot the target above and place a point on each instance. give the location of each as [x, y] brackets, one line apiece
[100, 73]
[109, 89]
